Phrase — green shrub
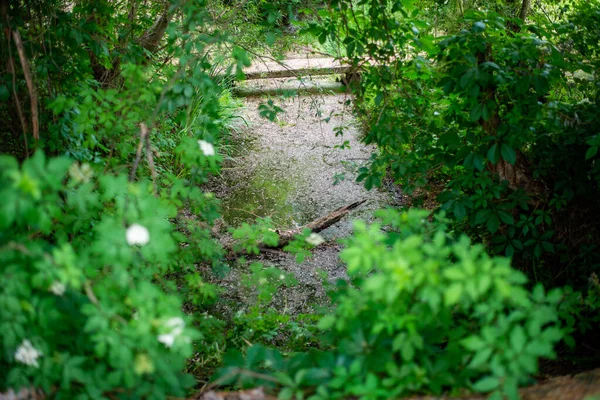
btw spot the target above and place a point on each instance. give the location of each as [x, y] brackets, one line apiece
[501, 118]
[423, 312]
[82, 258]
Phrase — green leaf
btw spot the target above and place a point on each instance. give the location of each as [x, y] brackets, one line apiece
[4, 94]
[270, 39]
[286, 393]
[481, 358]
[482, 216]
[492, 154]
[473, 343]
[506, 217]
[486, 384]
[493, 223]
[478, 26]
[466, 78]
[326, 322]
[478, 161]
[453, 294]
[591, 152]
[539, 348]
[459, 210]
[518, 338]
[508, 154]
[475, 113]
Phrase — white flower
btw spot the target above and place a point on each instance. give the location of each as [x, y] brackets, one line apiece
[27, 354]
[167, 339]
[206, 148]
[315, 239]
[436, 113]
[176, 325]
[137, 234]
[81, 172]
[281, 277]
[58, 288]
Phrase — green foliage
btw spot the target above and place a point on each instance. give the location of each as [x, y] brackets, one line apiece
[300, 245]
[99, 251]
[106, 239]
[502, 114]
[424, 312]
[81, 291]
[250, 237]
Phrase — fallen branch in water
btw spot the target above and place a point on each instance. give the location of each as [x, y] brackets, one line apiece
[318, 224]
[286, 236]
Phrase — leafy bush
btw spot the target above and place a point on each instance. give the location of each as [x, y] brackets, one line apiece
[423, 312]
[82, 258]
[102, 228]
[501, 115]
[106, 233]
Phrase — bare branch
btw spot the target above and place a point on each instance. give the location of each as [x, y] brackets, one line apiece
[30, 86]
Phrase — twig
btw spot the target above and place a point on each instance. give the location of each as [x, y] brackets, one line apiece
[150, 158]
[138, 153]
[28, 78]
[12, 70]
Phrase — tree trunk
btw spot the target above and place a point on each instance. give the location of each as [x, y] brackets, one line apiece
[149, 40]
[524, 9]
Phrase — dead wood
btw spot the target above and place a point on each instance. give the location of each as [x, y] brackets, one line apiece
[286, 236]
[318, 224]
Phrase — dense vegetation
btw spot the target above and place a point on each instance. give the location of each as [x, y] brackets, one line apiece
[114, 115]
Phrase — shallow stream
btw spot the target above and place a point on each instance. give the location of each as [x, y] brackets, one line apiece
[294, 170]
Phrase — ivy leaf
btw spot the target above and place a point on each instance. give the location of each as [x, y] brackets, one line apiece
[591, 152]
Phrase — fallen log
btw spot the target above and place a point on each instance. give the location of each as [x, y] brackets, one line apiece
[318, 224]
[286, 236]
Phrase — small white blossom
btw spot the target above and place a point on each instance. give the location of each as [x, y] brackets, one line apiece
[58, 288]
[206, 148]
[281, 277]
[27, 354]
[315, 239]
[167, 339]
[81, 172]
[176, 325]
[137, 234]
[436, 113]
